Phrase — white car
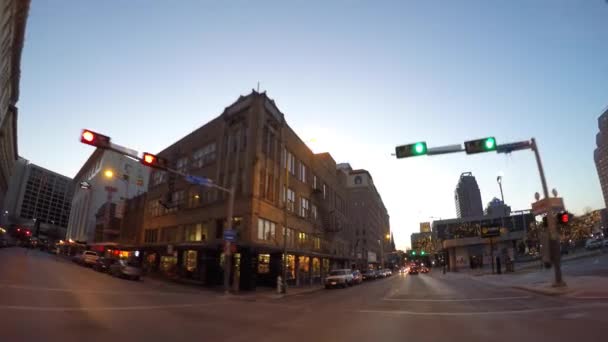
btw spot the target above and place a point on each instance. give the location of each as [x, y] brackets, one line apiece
[87, 258]
[339, 278]
[593, 244]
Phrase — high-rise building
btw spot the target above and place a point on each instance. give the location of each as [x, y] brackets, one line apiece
[467, 196]
[105, 180]
[38, 196]
[369, 219]
[497, 207]
[600, 155]
[13, 17]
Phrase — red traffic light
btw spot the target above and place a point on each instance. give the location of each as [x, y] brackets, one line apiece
[94, 139]
[563, 217]
[154, 161]
[18, 230]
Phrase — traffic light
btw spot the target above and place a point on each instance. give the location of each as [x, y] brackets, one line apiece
[564, 217]
[154, 161]
[94, 139]
[413, 252]
[480, 145]
[422, 253]
[411, 150]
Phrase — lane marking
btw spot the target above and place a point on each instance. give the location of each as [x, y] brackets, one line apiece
[102, 308]
[455, 299]
[484, 313]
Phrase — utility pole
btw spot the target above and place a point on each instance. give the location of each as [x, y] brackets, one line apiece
[551, 224]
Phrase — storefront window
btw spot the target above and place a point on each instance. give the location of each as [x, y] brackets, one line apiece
[264, 263]
[304, 264]
[291, 266]
[168, 263]
[316, 267]
[325, 266]
[190, 260]
[196, 232]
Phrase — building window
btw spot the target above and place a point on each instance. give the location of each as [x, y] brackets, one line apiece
[196, 232]
[314, 212]
[154, 208]
[169, 234]
[302, 239]
[151, 235]
[289, 236]
[266, 229]
[290, 162]
[324, 191]
[158, 177]
[304, 207]
[302, 174]
[316, 243]
[314, 182]
[182, 165]
[263, 263]
[291, 200]
[204, 155]
[190, 260]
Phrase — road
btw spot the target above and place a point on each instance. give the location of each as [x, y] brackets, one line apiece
[44, 297]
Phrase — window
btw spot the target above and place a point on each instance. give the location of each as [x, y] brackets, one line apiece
[302, 173]
[316, 243]
[151, 235]
[196, 232]
[290, 235]
[266, 229]
[291, 200]
[154, 208]
[159, 177]
[263, 263]
[182, 164]
[314, 182]
[189, 260]
[304, 207]
[302, 238]
[290, 162]
[268, 143]
[204, 156]
[324, 191]
[169, 234]
[314, 212]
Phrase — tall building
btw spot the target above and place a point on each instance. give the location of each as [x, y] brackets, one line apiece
[13, 17]
[467, 196]
[497, 207]
[105, 180]
[369, 219]
[38, 195]
[600, 155]
[287, 199]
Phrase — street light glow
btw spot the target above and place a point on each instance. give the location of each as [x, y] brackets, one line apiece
[109, 174]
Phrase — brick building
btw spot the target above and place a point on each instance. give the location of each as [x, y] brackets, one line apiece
[287, 197]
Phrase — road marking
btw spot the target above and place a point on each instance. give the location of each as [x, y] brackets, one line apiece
[106, 308]
[484, 313]
[455, 299]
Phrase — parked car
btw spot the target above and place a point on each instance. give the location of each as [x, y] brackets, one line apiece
[379, 274]
[341, 278]
[86, 258]
[125, 269]
[103, 264]
[357, 277]
[369, 275]
[593, 244]
[388, 272]
[605, 242]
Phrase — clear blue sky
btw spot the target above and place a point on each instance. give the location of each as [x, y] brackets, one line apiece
[354, 78]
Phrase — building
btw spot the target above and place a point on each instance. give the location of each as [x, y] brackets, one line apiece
[369, 218]
[422, 242]
[425, 227]
[467, 196]
[38, 197]
[288, 201]
[13, 17]
[600, 155]
[105, 180]
[497, 207]
[460, 240]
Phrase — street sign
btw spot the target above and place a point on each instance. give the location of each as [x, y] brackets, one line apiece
[230, 235]
[546, 205]
[198, 180]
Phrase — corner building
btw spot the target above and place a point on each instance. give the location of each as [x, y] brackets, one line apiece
[286, 197]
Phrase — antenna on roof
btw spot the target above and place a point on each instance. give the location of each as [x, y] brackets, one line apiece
[258, 86]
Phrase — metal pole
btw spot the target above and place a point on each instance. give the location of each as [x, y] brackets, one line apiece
[553, 235]
[228, 244]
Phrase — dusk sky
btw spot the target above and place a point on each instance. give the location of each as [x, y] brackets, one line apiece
[354, 78]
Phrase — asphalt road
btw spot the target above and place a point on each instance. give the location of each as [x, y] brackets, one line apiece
[43, 297]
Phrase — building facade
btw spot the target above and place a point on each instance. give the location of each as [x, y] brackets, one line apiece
[467, 196]
[600, 154]
[369, 219]
[38, 198]
[13, 17]
[288, 202]
[497, 207]
[105, 180]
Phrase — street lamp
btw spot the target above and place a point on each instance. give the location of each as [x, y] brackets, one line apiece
[499, 181]
[108, 173]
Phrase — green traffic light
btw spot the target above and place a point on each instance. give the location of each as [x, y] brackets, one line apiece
[413, 252]
[422, 253]
[411, 150]
[490, 143]
[419, 148]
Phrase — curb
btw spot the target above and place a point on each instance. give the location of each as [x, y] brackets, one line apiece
[553, 292]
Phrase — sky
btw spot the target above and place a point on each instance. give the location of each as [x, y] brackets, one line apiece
[353, 78]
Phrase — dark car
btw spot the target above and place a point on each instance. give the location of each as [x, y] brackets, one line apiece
[103, 264]
[126, 269]
[369, 275]
[413, 270]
